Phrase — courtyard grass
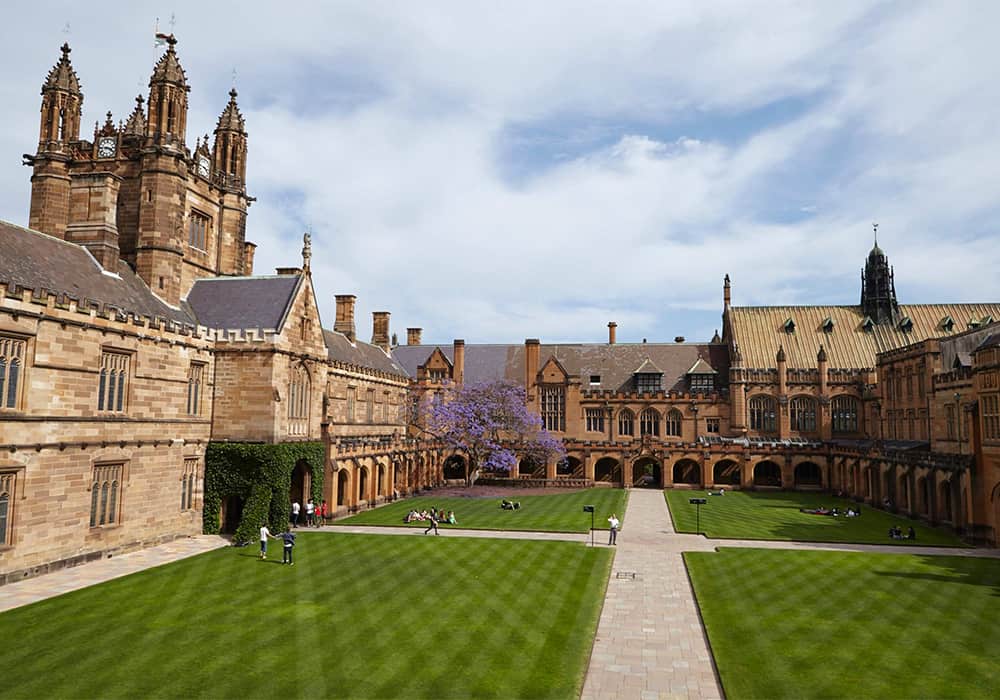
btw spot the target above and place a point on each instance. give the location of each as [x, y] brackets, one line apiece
[359, 616]
[809, 624]
[558, 512]
[775, 515]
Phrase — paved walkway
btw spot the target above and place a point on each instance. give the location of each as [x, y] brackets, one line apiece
[650, 641]
[31, 590]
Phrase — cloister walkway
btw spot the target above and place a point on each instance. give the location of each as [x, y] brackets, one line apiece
[650, 641]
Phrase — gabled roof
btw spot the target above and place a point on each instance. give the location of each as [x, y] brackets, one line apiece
[243, 302]
[438, 351]
[647, 367]
[759, 330]
[359, 354]
[701, 367]
[612, 363]
[38, 261]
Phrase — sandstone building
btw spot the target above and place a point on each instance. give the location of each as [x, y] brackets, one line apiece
[133, 335]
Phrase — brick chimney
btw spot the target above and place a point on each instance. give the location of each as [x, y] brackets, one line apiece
[93, 213]
[458, 365]
[345, 315]
[380, 329]
[612, 331]
[413, 336]
[532, 350]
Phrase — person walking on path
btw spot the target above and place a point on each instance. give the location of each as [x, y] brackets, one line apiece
[310, 512]
[434, 524]
[613, 530]
[296, 509]
[264, 534]
[289, 543]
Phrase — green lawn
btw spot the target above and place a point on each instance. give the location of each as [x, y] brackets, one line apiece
[774, 515]
[559, 512]
[360, 616]
[797, 624]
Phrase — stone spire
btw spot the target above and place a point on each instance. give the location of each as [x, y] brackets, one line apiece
[229, 152]
[62, 104]
[168, 102]
[135, 125]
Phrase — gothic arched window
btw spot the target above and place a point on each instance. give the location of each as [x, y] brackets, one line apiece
[764, 414]
[298, 402]
[626, 423]
[802, 412]
[649, 422]
[845, 415]
[672, 425]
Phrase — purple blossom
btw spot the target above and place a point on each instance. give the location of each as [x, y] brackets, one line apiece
[491, 423]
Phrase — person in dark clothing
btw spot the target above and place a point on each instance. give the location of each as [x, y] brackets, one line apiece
[911, 534]
[434, 524]
[288, 543]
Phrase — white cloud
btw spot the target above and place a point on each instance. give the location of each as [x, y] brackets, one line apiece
[759, 140]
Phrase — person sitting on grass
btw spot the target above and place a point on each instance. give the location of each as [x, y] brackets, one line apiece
[911, 534]
[451, 518]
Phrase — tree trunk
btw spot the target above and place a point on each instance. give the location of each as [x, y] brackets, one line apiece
[473, 475]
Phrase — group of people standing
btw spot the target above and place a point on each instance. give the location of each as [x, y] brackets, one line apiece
[315, 515]
[287, 540]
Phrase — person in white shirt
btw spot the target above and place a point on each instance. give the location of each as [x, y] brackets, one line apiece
[310, 512]
[296, 509]
[613, 530]
[264, 534]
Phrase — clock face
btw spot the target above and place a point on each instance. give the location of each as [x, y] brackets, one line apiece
[106, 147]
[203, 167]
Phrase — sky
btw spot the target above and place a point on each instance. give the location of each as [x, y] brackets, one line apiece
[497, 171]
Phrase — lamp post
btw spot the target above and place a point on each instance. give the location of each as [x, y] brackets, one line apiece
[697, 503]
[590, 509]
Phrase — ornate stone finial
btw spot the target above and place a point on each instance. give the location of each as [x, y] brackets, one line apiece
[306, 250]
[875, 229]
[65, 49]
[821, 355]
[781, 354]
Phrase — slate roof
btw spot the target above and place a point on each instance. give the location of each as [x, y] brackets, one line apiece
[759, 331]
[38, 261]
[243, 302]
[962, 346]
[615, 364]
[360, 354]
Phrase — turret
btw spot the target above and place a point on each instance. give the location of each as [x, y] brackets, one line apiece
[59, 126]
[168, 99]
[878, 287]
[229, 153]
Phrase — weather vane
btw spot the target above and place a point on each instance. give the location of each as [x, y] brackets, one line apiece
[875, 229]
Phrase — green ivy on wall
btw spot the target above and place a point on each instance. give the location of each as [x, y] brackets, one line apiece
[261, 476]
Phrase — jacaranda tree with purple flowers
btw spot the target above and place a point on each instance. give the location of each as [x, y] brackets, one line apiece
[491, 423]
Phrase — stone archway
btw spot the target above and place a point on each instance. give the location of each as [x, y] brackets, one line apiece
[808, 474]
[608, 470]
[647, 473]
[527, 467]
[362, 484]
[767, 473]
[569, 468]
[687, 472]
[299, 489]
[945, 510]
[343, 484]
[232, 513]
[454, 468]
[726, 472]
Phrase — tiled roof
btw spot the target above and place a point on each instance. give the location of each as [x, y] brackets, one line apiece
[760, 330]
[701, 367]
[37, 261]
[360, 354]
[647, 367]
[614, 364]
[243, 302]
[962, 345]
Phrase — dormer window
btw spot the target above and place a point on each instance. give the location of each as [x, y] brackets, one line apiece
[986, 320]
[789, 325]
[827, 325]
[701, 378]
[973, 324]
[947, 324]
[868, 325]
[648, 383]
[906, 324]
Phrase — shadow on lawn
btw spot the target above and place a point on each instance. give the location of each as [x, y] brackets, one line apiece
[967, 570]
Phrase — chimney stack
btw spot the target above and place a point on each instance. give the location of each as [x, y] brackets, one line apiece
[413, 336]
[248, 251]
[458, 366]
[612, 330]
[380, 329]
[532, 351]
[345, 316]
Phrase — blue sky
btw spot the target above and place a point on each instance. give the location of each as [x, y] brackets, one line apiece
[496, 171]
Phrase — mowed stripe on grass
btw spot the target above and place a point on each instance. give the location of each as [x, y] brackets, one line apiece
[357, 616]
[793, 624]
[775, 515]
[558, 512]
